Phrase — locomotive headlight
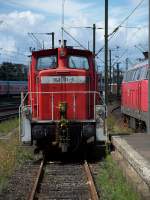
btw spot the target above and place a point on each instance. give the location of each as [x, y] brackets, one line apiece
[62, 53]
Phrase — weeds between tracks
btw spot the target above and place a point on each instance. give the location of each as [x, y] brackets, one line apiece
[11, 154]
[112, 183]
[7, 126]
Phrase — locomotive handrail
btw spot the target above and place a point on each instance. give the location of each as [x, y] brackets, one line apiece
[97, 98]
[62, 92]
[66, 92]
[95, 93]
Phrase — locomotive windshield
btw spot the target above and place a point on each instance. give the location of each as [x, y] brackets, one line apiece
[78, 62]
[46, 62]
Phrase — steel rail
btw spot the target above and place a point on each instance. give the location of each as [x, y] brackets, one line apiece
[91, 185]
[8, 108]
[8, 116]
[35, 186]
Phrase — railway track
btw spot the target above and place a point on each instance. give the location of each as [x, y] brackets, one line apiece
[9, 107]
[63, 180]
[8, 111]
[8, 115]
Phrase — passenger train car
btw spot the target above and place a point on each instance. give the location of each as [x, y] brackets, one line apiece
[134, 103]
[12, 87]
[64, 107]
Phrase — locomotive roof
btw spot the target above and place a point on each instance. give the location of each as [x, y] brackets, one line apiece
[145, 62]
[69, 51]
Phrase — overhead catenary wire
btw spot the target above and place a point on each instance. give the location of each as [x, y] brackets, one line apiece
[120, 25]
[123, 21]
[124, 52]
[139, 4]
[84, 27]
[74, 39]
[35, 40]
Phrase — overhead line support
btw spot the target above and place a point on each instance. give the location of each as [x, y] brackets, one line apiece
[94, 38]
[106, 52]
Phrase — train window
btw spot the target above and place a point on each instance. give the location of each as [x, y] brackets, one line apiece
[46, 62]
[146, 76]
[78, 62]
[143, 73]
[133, 77]
[125, 77]
[137, 75]
[129, 75]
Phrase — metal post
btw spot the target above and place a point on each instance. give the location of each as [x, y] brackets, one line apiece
[113, 74]
[110, 70]
[148, 122]
[117, 79]
[94, 38]
[106, 52]
[53, 40]
[62, 28]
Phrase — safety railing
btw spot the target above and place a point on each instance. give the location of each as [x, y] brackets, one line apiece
[93, 96]
[97, 100]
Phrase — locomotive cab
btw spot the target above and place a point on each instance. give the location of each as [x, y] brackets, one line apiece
[64, 104]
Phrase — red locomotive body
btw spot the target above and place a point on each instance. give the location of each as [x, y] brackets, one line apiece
[134, 97]
[62, 99]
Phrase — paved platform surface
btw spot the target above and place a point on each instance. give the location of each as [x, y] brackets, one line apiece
[132, 153]
[136, 150]
[140, 142]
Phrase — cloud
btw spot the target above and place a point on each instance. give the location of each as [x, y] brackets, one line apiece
[45, 16]
[72, 7]
[20, 22]
[8, 43]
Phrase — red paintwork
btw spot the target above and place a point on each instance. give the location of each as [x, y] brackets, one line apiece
[42, 103]
[135, 94]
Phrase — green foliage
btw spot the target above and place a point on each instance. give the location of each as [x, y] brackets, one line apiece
[13, 72]
[12, 155]
[23, 154]
[113, 185]
[116, 126]
[7, 126]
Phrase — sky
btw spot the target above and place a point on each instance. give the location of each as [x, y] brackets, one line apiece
[19, 18]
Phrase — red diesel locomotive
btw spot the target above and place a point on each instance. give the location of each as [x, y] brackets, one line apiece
[134, 103]
[64, 108]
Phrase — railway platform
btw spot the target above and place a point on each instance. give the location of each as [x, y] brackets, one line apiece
[132, 153]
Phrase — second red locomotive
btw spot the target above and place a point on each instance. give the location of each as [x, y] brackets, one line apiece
[134, 104]
[64, 107]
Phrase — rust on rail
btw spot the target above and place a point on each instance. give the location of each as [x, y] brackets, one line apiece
[34, 189]
[94, 195]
